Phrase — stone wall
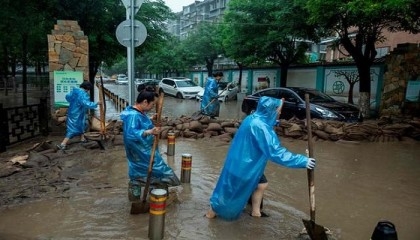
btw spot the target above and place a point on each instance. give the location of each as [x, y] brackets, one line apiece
[68, 50]
[402, 65]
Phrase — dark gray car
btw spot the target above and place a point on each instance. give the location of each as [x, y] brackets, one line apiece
[322, 105]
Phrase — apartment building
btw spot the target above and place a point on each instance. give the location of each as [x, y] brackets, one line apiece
[193, 14]
[213, 11]
[327, 53]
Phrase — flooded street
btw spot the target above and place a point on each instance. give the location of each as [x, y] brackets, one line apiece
[356, 186]
[175, 107]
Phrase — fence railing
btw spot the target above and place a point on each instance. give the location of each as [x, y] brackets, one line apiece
[119, 103]
[21, 123]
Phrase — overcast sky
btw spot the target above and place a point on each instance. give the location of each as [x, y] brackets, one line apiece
[176, 5]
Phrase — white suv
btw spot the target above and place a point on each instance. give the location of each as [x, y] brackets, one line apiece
[179, 87]
[121, 79]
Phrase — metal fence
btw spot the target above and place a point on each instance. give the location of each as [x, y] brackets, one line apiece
[21, 123]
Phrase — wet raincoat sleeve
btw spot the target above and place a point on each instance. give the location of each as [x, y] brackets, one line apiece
[79, 103]
[253, 145]
[211, 91]
[139, 149]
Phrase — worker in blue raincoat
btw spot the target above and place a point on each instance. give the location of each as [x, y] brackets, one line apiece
[210, 105]
[139, 133]
[79, 103]
[242, 175]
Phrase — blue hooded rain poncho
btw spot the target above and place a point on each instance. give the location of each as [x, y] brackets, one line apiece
[211, 91]
[139, 149]
[76, 113]
[254, 144]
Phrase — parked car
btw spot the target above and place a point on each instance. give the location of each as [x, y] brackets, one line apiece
[322, 105]
[147, 82]
[227, 91]
[121, 79]
[104, 78]
[179, 87]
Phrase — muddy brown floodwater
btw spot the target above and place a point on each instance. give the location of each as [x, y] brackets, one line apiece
[356, 186]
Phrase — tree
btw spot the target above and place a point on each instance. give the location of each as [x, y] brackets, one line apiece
[167, 57]
[358, 25]
[23, 37]
[204, 45]
[99, 20]
[352, 78]
[236, 45]
[272, 30]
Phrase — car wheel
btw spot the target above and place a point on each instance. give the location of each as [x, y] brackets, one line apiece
[226, 98]
[161, 91]
[179, 95]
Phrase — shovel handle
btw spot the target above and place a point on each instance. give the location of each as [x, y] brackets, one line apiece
[155, 143]
[149, 172]
[102, 106]
[310, 172]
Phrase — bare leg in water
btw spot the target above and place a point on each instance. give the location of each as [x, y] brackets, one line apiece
[257, 197]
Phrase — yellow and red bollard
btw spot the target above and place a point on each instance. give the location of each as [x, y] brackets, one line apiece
[171, 144]
[186, 168]
[157, 213]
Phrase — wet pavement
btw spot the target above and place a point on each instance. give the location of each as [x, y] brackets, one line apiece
[356, 186]
[174, 107]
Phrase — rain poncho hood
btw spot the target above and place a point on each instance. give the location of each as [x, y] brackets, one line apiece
[76, 113]
[211, 91]
[139, 149]
[254, 144]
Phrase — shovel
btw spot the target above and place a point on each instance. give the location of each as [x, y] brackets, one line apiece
[197, 115]
[102, 107]
[315, 231]
[143, 206]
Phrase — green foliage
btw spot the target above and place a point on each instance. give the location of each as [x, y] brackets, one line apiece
[204, 45]
[32, 21]
[271, 30]
[359, 25]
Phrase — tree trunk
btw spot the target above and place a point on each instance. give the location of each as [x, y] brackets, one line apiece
[240, 66]
[283, 75]
[24, 68]
[209, 66]
[364, 90]
[364, 104]
[350, 98]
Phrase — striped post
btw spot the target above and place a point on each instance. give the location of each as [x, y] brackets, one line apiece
[186, 168]
[157, 213]
[171, 144]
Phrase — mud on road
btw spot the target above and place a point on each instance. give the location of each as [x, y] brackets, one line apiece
[36, 170]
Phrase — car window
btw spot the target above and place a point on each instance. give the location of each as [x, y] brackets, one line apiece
[269, 93]
[222, 85]
[315, 96]
[168, 82]
[188, 83]
[288, 96]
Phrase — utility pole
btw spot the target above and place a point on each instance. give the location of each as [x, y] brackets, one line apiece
[131, 33]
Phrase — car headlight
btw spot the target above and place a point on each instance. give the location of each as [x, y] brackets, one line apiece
[325, 113]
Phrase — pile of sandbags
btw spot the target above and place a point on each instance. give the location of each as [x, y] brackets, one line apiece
[60, 116]
[381, 130]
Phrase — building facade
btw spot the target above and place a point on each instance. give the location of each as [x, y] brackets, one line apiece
[193, 14]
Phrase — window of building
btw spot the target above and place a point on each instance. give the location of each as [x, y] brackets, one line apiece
[382, 51]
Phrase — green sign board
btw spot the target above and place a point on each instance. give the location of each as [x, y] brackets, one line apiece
[64, 82]
[413, 91]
